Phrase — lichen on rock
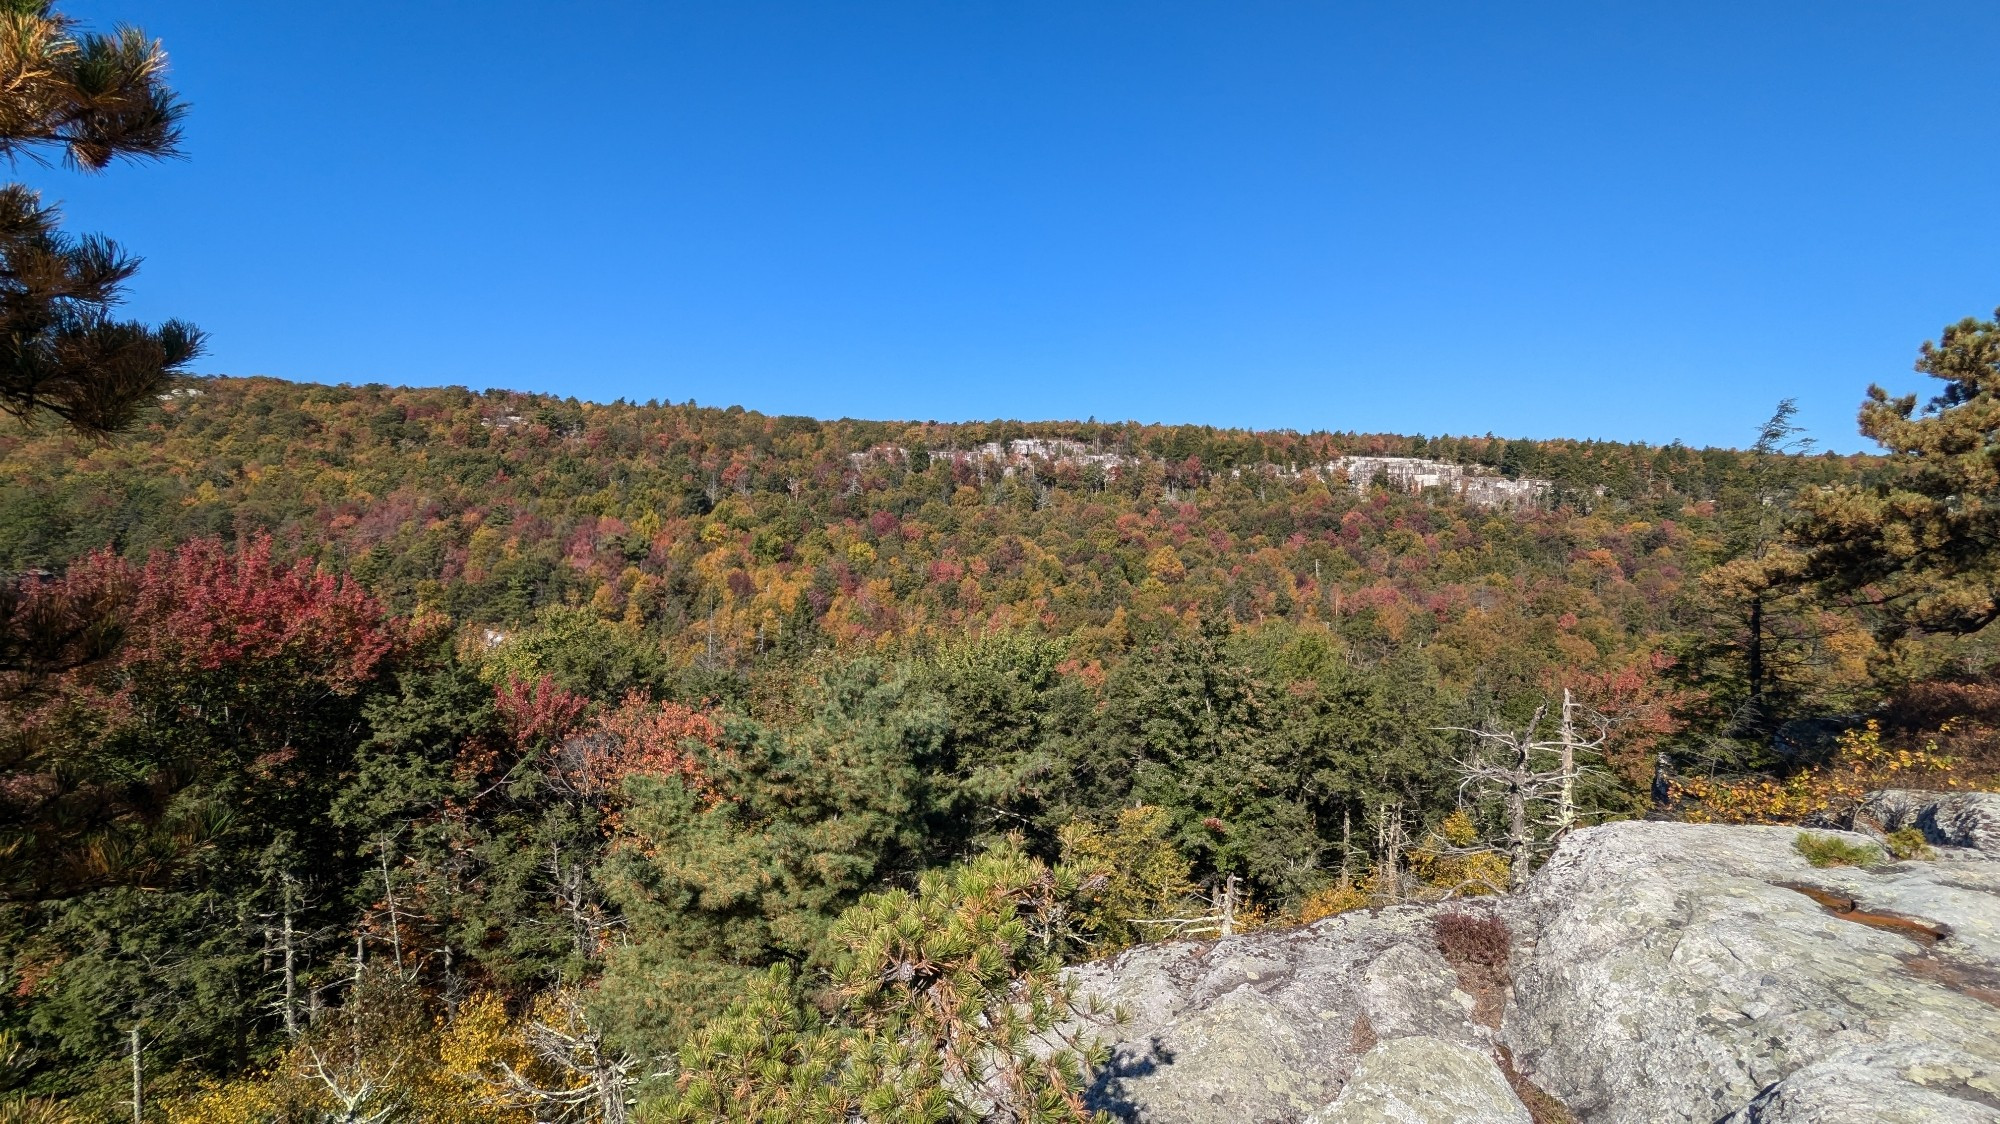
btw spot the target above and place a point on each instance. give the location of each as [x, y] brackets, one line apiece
[1658, 972]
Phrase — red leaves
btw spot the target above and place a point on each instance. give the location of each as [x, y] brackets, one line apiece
[638, 737]
[539, 711]
[1641, 704]
[199, 663]
[200, 607]
[1090, 671]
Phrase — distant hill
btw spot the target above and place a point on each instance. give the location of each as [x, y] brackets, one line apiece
[725, 532]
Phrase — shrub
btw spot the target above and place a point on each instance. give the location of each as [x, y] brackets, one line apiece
[1451, 860]
[1468, 938]
[1832, 850]
[1330, 900]
[35, 1110]
[942, 1004]
[1127, 871]
[1861, 763]
[1909, 843]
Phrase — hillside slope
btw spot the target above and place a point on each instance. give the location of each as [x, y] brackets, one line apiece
[726, 534]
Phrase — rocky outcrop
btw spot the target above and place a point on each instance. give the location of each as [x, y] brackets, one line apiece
[1424, 1080]
[1961, 819]
[1270, 1026]
[1658, 972]
[1679, 972]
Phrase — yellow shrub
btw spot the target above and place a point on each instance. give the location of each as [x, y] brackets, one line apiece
[1445, 863]
[1331, 900]
[249, 1100]
[1860, 764]
[481, 1046]
[1133, 870]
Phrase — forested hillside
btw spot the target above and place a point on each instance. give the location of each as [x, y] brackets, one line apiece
[428, 754]
[722, 535]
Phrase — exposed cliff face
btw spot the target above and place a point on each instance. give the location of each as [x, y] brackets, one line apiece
[1477, 485]
[1658, 972]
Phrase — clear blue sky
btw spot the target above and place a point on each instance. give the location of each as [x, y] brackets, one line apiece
[1594, 219]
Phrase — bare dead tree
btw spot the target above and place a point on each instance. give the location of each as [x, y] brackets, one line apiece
[1527, 770]
[138, 1073]
[1391, 839]
[284, 939]
[590, 927]
[592, 1083]
[384, 847]
[1223, 898]
[359, 1092]
[1346, 846]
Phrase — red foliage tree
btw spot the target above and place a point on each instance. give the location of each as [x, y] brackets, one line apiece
[231, 671]
[540, 712]
[203, 608]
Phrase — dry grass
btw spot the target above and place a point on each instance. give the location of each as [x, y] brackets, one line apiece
[1477, 948]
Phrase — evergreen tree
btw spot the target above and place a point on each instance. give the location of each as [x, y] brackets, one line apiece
[93, 98]
[1755, 627]
[943, 1004]
[1919, 550]
[800, 823]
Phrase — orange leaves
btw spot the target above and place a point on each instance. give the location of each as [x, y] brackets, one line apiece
[1642, 707]
[646, 738]
[539, 711]
[1165, 565]
[594, 754]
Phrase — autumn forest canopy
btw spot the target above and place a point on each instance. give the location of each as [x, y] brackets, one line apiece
[380, 753]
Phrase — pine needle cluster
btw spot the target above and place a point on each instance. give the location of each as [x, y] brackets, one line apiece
[88, 99]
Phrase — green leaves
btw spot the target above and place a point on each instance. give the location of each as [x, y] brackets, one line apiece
[943, 1004]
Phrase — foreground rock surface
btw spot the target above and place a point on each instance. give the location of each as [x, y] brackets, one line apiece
[1659, 972]
[1423, 1080]
[1270, 1026]
[1678, 972]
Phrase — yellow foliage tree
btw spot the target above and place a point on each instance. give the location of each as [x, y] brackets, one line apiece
[381, 1057]
[549, 1065]
[1328, 901]
[1130, 871]
[1452, 862]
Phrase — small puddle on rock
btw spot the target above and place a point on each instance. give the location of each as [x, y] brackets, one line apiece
[1847, 909]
